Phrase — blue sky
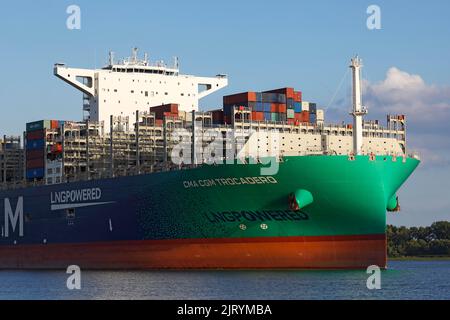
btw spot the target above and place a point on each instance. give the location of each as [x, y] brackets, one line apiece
[260, 45]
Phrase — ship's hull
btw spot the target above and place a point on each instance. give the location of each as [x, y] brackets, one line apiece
[222, 216]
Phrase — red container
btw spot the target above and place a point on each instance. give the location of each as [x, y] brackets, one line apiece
[217, 116]
[282, 108]
[227, 119]
[349, 126]
[297, 96]
[54, 124]
[257, 116]
[35, 163]
[35, 154]
[289, 92]
[36, 135]
[158, 122]
[165, 109]
[302, 116]
[237, 98]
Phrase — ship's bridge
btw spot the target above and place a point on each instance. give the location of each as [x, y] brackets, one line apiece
[127, 85]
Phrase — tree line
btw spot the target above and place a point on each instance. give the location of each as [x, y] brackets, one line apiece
[419, 241]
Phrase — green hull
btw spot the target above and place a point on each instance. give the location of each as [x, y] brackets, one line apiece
[350, 198]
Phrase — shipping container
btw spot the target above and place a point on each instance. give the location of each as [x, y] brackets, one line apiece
[290, 103]
[35, 135]
[170, 109]
[257, 116]
[267, 116]
[320, 114]
[259, 106]
[267, 107]
[159, 122]
[38, 125]
[217, 116]
[35, 163]
[305, 106]
[275, 117]
[297, 96]
[35, 144]
[282, 108]
[302, 116]
[288, 92]
[240, 98]
[54, 124]
[312, 107]
[227, 119]
[297, 106]
[35, 154]
[35, 173]
[290, 113]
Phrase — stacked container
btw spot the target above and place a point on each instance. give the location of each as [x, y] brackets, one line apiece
[279, 105]
[165, 110]
[36, 147]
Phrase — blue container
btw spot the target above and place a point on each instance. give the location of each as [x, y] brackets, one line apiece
[268, 116]
[267, 107]
[290, 103]
[259, 106]
[35, 144]
[298, 107]
[259, 97]
[35, 173]
[281, 98]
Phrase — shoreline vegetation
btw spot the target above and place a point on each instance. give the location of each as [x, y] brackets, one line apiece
[419, 243]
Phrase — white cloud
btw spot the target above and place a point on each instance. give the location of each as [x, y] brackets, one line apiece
[426, 106]
[405, 93]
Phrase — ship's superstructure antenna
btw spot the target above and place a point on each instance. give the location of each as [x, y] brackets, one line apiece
[135, 55]
[111, 58]
[358, 110]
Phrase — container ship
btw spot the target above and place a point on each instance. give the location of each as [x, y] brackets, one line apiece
[145, 180]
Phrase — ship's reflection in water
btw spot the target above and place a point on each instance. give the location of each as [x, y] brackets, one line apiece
[403, 280]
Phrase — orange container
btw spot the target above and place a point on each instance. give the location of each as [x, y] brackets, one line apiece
[257, 116]
[54, 124]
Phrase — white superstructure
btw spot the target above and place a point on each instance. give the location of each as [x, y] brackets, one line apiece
[133, 84]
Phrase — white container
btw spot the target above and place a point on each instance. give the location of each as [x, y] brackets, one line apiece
[305, 106]
[320, 114]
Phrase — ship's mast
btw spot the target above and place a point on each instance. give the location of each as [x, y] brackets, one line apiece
[358, 110]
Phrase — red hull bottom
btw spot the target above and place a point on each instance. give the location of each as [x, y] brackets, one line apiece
[338, 252]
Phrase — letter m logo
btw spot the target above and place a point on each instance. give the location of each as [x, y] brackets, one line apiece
[15, 217]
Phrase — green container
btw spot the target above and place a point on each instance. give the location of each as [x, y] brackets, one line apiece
[290, 113]
[275, 117]
[38, 125]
